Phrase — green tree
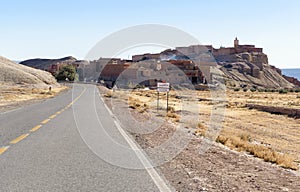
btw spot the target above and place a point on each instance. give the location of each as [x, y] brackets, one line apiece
[67, 72]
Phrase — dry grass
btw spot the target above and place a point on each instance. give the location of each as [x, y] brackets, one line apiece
[201, 129]
[108, 94]
[138, 105]
[14, 95]
[273, 138]
[242, 143]
[262, 98]
[173, 116]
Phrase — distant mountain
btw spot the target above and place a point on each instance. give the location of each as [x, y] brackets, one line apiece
[44, 64]
[12, 73]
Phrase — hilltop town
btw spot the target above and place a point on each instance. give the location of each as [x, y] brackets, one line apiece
[242, 65]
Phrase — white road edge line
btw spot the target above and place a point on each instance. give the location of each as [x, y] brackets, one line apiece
[109, 111]
[159, 182]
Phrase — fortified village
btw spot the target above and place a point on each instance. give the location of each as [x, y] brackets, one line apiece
[242, 65]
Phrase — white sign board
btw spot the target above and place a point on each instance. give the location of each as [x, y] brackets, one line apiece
[163, 87]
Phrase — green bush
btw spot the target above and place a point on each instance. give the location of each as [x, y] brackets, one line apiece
[245, 89]
[283, 91]
[252, 90]
[236, 89]
[67, 72]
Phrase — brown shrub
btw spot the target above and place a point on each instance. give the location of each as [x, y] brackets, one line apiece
[175, 117]
[137, 104]
[201, 129]
[108, 94]
[171, 109]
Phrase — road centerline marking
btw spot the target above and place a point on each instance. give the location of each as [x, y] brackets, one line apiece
[35, 128]
[3, 149]
[18, 139]
[52, 116]
[45, 121]
[23, 136]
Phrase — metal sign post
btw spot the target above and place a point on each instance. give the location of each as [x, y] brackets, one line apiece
[163, 87]
[167, 101]
[157, 101]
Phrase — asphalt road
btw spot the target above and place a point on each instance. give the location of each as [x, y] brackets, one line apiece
[71, 143]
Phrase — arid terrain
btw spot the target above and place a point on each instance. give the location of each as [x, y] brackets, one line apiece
[20, 85]
[253, 151]
[255, 148]
[17, 96]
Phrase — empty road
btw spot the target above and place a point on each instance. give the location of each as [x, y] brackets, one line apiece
[70, 143]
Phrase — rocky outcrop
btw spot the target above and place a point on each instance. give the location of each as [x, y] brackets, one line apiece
[12, 74]
[292, 80]
[243, 65]
[44, 64]
[251, 70]
[295, 113]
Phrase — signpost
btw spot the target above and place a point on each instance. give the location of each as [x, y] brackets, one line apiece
[163, 87]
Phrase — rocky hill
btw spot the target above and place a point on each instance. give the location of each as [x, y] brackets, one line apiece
[251, 70]
[242, 65]
[44, 64]
[12, 73]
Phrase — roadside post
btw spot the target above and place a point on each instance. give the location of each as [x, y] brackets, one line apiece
[163, 87]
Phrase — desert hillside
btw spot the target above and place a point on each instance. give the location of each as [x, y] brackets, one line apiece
[20, 84]
[15, 74]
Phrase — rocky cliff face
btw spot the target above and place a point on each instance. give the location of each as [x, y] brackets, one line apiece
[251, 70]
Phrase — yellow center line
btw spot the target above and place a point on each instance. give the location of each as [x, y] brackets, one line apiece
[18, 139]
[35, 128]
[21, 137]
[45, 121]
[3, 149]
[52, 116]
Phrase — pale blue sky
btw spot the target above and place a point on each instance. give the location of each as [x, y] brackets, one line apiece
[57, 28]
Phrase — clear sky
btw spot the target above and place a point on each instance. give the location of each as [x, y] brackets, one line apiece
[58, 28]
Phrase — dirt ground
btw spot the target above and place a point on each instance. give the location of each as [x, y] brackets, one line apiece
[221, 168]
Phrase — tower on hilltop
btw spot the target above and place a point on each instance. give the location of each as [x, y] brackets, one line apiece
[236, 43]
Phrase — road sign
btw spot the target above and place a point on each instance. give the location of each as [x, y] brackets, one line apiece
[163, 87]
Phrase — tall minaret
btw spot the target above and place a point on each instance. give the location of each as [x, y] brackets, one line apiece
[236, 43]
